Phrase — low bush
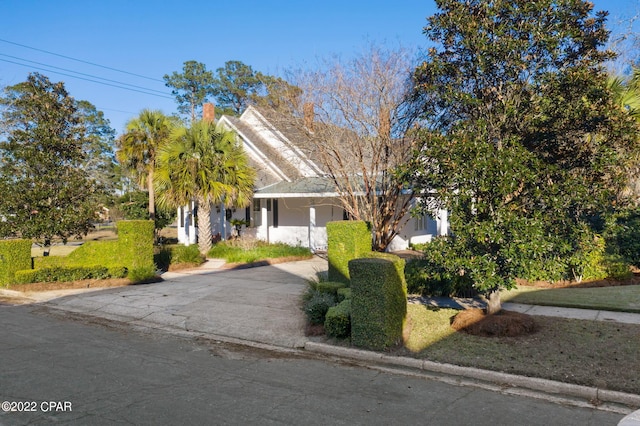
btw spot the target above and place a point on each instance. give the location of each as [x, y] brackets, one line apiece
[316, 304]
[344, 294]
[330, 287]
[337, 321]
[248, 251]
[177, 255]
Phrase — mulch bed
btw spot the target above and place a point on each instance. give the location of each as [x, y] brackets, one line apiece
[502, 324]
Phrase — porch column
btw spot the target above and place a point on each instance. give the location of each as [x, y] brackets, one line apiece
[443, 222]
[265, 219]
[312, 226]
[223, 222]
[192, 231]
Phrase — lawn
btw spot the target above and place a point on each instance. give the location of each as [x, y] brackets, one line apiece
[251, 251]
[590, 353]
[624, 298]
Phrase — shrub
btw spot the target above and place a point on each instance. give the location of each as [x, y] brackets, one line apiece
[347, 240]
[344, 294]
[186, 254]
[329, 287]
[142, 274]
[316, 306]
[337, 321]
[378, 301]
[14, 256]
[246, 251]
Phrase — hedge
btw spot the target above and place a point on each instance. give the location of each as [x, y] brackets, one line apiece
[378, 301]
[66, 274]
[347, 240]
[131, 252]
[337, 321]
[14, 256]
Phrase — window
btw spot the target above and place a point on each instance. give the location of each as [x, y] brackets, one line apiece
[257, 213]
[421, 223]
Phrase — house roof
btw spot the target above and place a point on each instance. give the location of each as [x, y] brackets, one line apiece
[300, 188]
[282, 151]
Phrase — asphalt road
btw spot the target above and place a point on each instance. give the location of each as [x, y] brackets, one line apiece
[70, 369]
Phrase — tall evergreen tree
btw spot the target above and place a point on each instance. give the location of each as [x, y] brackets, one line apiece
[192, 88]
[524, 144]
[46, 191]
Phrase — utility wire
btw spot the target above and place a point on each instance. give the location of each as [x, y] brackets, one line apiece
[80, 60]
[88, 79]
[87, 75]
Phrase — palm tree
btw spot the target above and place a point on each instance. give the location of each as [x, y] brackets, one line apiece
[139, 145]
[204, 163]
[626, 92]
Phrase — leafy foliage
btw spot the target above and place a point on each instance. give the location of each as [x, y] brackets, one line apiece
[237, 86]
[241, 251]
[191, 88]
[134, 206]
[138, 149]
[205, 163]
[524, 144]
[317, 304]
[50, 139]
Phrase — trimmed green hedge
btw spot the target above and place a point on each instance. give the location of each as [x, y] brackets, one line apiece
[337, 321]
[66, 274]
[14, 256]
[135, 246]
[378, 301]
[131, 252]
[347, 240]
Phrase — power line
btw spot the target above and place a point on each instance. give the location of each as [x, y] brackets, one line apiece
[80, 60]
[88, 75]
[88, 79]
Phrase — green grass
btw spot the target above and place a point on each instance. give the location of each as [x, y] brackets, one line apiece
[590, 353]
[254, 251]
[617, 298]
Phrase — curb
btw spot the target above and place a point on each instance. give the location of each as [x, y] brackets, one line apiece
[594, 397]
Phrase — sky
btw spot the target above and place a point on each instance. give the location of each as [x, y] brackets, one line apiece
[125, 47]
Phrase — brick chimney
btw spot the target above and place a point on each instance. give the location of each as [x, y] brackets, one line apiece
[209, 112]
[307, 110]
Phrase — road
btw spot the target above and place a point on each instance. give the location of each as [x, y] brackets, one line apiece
[71, 369]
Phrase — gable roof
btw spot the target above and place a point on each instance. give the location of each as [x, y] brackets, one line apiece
[278, 152]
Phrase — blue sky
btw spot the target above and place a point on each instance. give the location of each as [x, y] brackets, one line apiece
[153, 38]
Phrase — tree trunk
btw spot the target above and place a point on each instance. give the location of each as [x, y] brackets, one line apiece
[152, 196]
[204, 227]
[493, 302]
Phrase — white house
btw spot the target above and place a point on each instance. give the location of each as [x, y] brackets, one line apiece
[294, 199]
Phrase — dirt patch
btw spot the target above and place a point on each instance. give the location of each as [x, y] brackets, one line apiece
[314, 330]
[502, 324]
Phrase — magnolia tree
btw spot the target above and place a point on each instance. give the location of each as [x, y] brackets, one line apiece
[523, 141]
